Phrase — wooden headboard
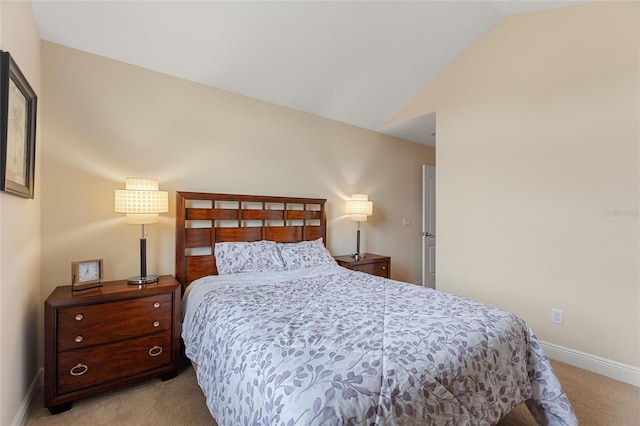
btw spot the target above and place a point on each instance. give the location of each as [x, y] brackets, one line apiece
[202, 219]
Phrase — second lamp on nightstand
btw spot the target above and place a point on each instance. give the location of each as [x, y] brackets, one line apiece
[373, 264]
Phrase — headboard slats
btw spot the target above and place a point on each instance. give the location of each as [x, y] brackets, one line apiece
[233, 217]
[302, 214]
[211, 214]
[313, 233]
[197, 237]
[263, 214]
[199, 266]
[238, 234]
[285, 234]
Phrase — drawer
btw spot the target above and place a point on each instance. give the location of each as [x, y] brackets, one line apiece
[83, 368]
[380, 269]
[83, 326]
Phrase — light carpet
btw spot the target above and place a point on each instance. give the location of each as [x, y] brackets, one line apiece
[597, 401]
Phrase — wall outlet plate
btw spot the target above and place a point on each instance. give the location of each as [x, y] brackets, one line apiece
[556, 316]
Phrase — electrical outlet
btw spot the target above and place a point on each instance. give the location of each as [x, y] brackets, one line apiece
[556, 316]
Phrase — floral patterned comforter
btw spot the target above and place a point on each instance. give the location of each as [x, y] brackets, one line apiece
[326, 345]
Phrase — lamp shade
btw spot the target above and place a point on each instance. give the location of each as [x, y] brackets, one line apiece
[359, 207]
[141, 200]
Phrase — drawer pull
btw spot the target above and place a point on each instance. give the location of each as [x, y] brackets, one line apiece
[156, 304]
[79, 370]
[79, 317]
[156, 323]
[155, 351]
[78, 339]
[384, 267]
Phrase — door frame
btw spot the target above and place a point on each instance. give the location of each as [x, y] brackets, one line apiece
[428, 233]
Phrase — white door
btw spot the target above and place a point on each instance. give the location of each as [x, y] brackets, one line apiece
[428, 226]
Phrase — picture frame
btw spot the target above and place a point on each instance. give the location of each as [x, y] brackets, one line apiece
[18, 106]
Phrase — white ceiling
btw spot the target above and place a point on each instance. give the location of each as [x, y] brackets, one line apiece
[356, 62]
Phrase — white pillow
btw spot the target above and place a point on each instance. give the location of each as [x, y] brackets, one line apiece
[254, 256]
[305, 254]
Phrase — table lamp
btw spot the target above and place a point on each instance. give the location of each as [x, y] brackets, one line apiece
[142, 202]
[359, 207]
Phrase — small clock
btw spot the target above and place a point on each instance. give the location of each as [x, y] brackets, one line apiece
[86, 274]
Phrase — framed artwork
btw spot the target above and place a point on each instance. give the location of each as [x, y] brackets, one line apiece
[18, 104]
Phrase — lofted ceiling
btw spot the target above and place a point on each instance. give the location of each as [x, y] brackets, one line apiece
[356, 62]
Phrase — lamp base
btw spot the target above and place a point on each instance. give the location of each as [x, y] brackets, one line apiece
[143, 280]
[358, 256]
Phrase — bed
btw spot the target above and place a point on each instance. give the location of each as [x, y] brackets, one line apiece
[281, 335]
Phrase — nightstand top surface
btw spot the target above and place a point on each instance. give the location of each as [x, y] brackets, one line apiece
[369, 258]
[164, 284]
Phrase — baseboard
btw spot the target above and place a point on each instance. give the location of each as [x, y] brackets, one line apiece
[21, 416]
[606, 367]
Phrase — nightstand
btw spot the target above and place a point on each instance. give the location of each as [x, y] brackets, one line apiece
[373, 264]
[107, 337]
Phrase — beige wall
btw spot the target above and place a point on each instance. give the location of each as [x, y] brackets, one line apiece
[106, 120]
[20, 308]
[538, 176]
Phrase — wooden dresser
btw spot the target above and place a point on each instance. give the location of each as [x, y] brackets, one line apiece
[373, 264]
[102, 338]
